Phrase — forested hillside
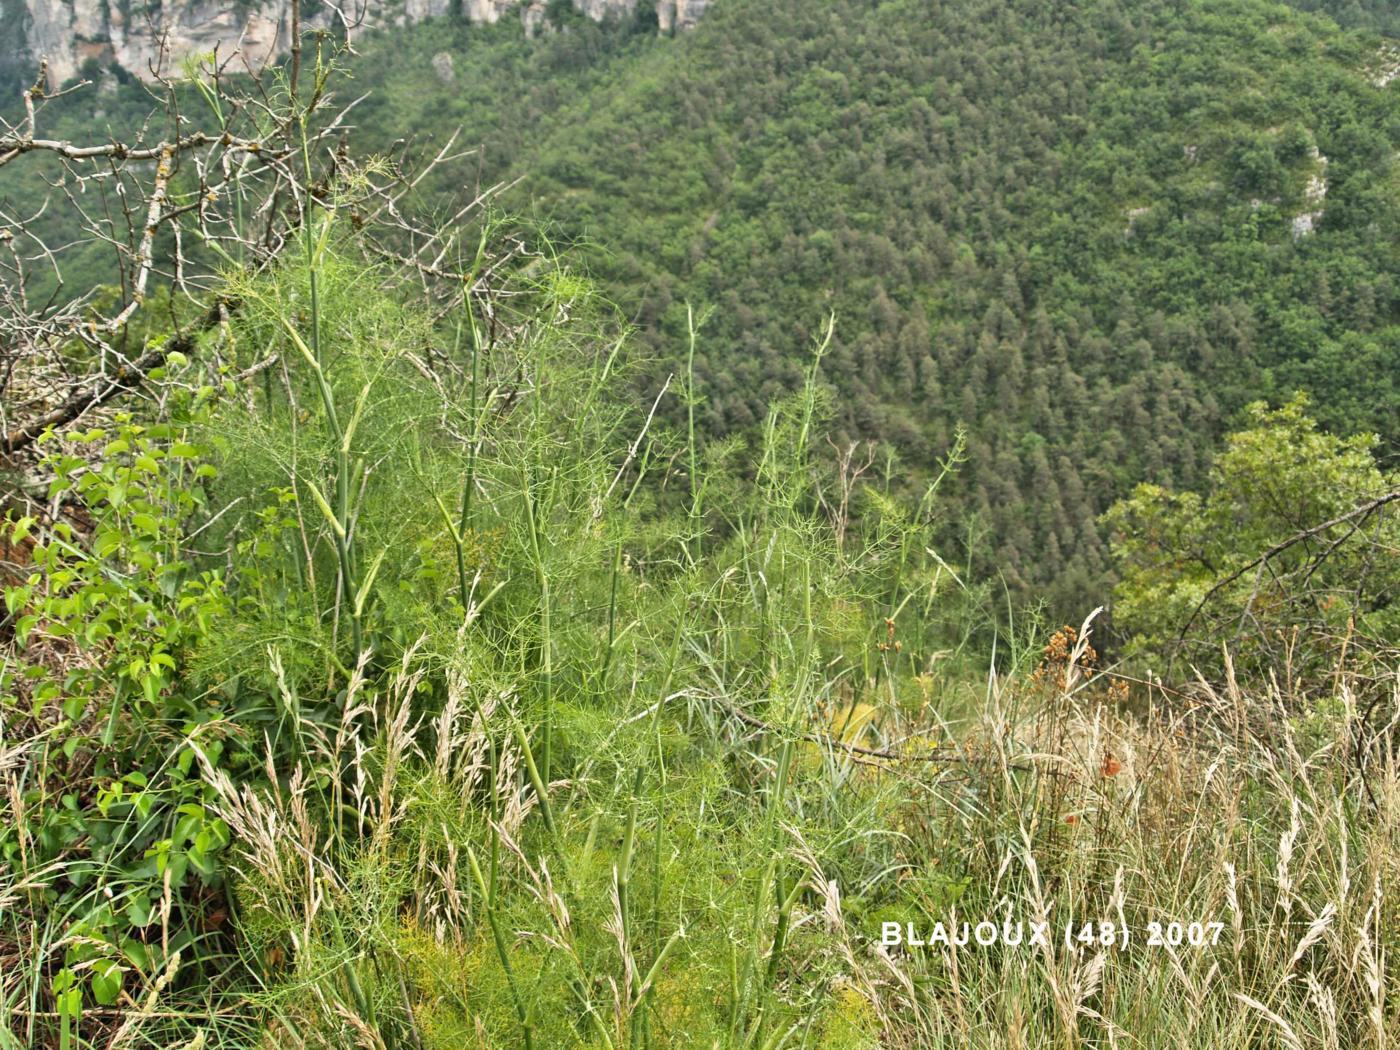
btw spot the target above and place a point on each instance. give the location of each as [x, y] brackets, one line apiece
[1090, 232]
[1375, 15]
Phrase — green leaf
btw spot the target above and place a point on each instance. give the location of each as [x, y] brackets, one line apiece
[201, 862]
[139, 911]
[363, 593]
[106, 982]
[326, 511]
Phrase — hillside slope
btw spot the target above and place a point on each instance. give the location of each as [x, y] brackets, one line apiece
[1091, 232]
[1378, 15]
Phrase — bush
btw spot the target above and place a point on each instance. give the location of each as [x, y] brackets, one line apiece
[110, 826]
[1253, 565]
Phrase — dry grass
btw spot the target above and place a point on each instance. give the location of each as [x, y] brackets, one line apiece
[1065, 806]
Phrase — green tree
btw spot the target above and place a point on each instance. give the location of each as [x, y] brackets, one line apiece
[1286, 558]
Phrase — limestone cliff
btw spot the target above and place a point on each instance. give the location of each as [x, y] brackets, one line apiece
[145, 36]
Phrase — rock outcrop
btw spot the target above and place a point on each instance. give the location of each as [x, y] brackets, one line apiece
[145, 37]
[679, 14]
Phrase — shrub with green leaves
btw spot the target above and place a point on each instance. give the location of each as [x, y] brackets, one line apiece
[110, 826]
[1279, 560]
